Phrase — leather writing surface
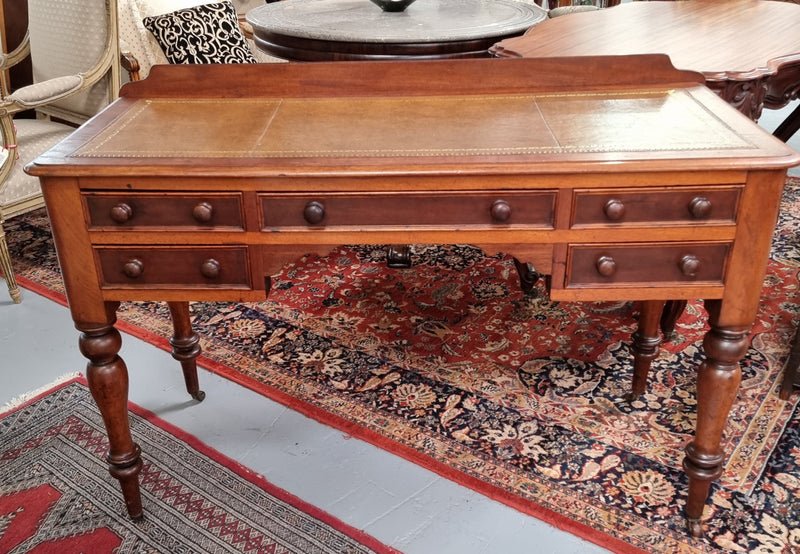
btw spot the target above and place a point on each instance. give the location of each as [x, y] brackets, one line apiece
[518, 124]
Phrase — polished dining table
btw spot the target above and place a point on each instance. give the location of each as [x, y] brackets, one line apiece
[747, 50]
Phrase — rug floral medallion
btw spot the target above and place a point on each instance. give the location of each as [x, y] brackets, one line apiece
[451, 365]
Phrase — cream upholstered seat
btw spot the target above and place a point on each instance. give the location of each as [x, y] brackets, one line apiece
[73, 48]
[141, 50]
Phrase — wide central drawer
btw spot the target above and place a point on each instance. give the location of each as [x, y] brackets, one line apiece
[502, 208]
[206, 266]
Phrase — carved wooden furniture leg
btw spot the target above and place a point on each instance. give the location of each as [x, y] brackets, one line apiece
[185, 347]
[791, 371]
[398, 257]
[5, 266]
[789, 127]
[108, 382]
[527, 275]
[646, 340]
[718, 381]
[672, 311]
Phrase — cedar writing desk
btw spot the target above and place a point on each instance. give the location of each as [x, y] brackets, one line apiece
[619, 177]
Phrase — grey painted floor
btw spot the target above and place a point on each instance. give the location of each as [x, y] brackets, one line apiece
[397, 502]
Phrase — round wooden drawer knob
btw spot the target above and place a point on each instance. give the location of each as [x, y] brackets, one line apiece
[121, 213]
[700, 207]
[689, 265]
[500, 211]
[210, 268]
[314, 213]
[133, 268]
[606, 266]
[203, 212]
[614, 209]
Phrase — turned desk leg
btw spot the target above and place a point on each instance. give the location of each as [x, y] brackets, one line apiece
[108, 383]
[185, 344]
[646, 340]
[718, 381]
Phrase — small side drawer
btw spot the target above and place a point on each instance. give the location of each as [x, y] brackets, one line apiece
[154, 267]
[528, 209]
[218, 211]
[632, 207]
[646, 263]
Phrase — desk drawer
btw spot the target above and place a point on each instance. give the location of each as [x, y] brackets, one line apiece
[163, 210]
[199, 266]
[509, 208]
[614, 264]
[632, 207]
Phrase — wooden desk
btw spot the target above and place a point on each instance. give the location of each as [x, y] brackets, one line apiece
[622, 178]
[748, 51]
[331, 30]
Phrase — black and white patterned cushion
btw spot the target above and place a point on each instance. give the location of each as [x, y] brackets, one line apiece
[209, 33]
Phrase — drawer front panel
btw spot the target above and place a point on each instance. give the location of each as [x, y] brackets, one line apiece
[638, 264]
[153, 267]
[673, 206]
[529, 209]
[218, 211]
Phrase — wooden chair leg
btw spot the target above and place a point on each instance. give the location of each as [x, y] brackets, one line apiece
[398, 256]
[8, 271]
[789, 127]
[791, 371]
[185, 344]
[672, 311]
[527, 275]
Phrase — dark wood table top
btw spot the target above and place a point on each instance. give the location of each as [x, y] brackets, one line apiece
[748, 50]
[730, 40]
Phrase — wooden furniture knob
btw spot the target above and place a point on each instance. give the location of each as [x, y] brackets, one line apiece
[500, 211]
[689, 265]
[121, 213]
[133, 268]
[606, 266]
[700, 207]
[614, 209]
[210, 268]
[203, 212]
[314, 212]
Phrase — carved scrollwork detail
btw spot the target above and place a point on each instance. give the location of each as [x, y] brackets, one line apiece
[783, 87]
[745, 96]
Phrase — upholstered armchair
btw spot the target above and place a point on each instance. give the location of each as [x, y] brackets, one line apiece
[74, 57]
[141, 49]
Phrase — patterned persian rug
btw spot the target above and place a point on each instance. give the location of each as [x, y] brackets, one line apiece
[56, 494]
[450, 365]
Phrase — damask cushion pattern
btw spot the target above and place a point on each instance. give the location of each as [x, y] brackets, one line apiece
[209, 33]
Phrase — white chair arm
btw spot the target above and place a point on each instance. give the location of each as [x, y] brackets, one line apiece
[45, 92]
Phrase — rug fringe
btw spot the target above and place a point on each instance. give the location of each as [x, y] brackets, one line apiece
[16, 402]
